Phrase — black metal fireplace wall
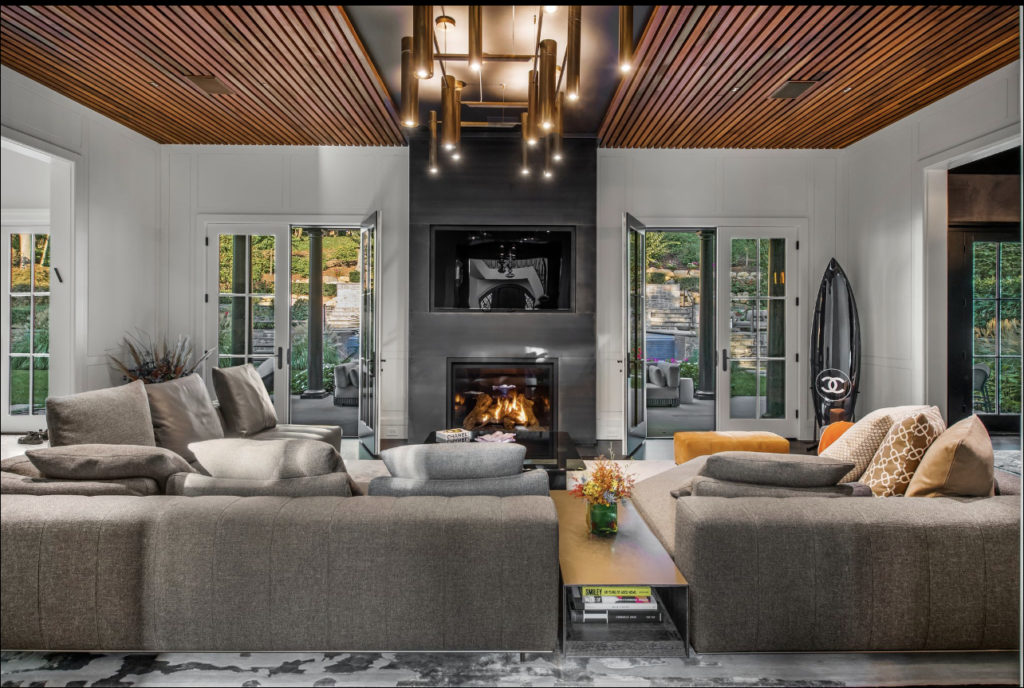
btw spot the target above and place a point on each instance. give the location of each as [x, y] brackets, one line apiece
[485, 188]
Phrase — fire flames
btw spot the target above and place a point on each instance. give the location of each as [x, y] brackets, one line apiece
[508, 410]
[506, 407]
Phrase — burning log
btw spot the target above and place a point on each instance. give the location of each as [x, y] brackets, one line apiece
[479, 415]
[530, 417]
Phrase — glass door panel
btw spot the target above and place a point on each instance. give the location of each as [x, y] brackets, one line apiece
[996, 325]
[760, 326]
[635, 329]
[247, 321]
[369, 336]
[26, 323]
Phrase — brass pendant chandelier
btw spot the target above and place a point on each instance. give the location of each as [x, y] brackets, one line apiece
[551, 83]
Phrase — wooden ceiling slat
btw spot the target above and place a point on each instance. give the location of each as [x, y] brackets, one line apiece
[77, 66]
[324, 89]
[947, 48]
[897, 59]
[769, 114]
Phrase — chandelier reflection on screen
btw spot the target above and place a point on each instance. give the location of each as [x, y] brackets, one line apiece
[550, 83]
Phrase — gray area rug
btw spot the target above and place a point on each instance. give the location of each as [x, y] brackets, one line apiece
[500, 669]
[1008, 460]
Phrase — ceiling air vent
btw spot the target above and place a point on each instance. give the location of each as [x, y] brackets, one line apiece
[210, 84]
[793, 89]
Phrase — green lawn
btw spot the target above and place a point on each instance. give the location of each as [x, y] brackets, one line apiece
[20, 391]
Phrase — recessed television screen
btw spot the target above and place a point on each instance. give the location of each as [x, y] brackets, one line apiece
[502, 269]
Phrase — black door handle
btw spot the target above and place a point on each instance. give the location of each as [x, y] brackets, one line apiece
[280, 357]
[725, 360]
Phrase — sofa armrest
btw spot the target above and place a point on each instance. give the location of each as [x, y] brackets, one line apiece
[814, 574]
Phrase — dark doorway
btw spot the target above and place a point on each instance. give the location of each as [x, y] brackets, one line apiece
[984, 298]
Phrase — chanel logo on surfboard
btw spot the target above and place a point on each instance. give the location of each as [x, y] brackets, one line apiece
[833, 384]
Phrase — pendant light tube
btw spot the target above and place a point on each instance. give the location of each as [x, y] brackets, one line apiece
[448, 123]
[572, 53]
[556, 137]
[476, 37]
[546, 84]
[457, 109]
[625, 38]
[423, 41]
[531, 109]
[524, 146]
[432, 155]
[410, 87]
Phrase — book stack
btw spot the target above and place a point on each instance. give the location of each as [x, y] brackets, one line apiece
[613, 604]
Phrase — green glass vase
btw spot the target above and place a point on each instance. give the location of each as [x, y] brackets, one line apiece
[603, 520]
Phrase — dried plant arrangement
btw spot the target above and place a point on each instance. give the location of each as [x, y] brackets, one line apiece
[156, 361]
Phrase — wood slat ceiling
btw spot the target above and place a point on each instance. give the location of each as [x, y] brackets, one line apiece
[297, 75]
[704, 74]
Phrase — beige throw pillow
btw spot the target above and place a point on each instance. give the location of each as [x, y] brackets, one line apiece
[108, 462]
[860, 443]
[244, 400]
[900, 453]
[959, 463]
[182, 413]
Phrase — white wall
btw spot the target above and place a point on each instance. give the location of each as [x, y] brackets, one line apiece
[893, 246]
[289, 184]
[660, 187]
[24, 182]
[116, 192]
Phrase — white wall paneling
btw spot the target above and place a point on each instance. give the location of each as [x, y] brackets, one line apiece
[112, 175]
[290, 185]
[894, 240]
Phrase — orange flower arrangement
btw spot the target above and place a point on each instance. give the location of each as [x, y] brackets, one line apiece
[606, 484]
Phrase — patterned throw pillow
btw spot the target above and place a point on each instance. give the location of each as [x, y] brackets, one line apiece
[860, 443]
[901, 451]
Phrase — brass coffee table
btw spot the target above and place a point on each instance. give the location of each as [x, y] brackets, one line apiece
[632, 557]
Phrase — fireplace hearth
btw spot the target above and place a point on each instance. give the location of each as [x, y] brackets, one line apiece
[486, 395]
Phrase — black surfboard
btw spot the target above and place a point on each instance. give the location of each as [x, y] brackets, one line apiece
[835, 349]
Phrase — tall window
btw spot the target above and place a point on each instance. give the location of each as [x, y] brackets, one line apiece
[996, 293]
[28, 322]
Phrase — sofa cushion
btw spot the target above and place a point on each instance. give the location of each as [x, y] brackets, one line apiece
[454, 460]
[671, 373]
[785, 470]
[703, 486]
[250, 459]
[657, 376]
[831, 432]
[20, 465]
[960, 462]
[901, 452]
[353, 374]
[182, 413]
[244, 400]
[331, 434]
[196, 485]
[533, 482]
[859, 443]
[655, 502]
[117, 415]
[108, 462]
[13, 483]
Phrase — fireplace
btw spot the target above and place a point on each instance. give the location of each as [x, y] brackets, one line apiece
[510, 395]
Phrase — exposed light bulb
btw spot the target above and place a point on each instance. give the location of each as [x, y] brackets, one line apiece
[433, 170]
[409, 123]
[625, 67]
[475, 66]
[456, 156]
[547, 174]
[421, 73]
[557, 157]
[573, 96]
[449, 146]
[531, 142]
[525, 171]
[550, 9]
[546, 125]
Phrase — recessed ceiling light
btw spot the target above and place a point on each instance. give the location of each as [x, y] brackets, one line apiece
[152, 83]
[847, 89]
[735, 88]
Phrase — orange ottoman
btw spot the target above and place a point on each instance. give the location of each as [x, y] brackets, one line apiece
[689, 445]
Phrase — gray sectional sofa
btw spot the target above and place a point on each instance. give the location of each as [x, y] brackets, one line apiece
[848, 574]
[163, 573]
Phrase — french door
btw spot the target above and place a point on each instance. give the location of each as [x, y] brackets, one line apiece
[635, 368]
[369, 338]
[758, 330]
[248, 296]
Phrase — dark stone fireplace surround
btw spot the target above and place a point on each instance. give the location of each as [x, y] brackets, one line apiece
[485, 189]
